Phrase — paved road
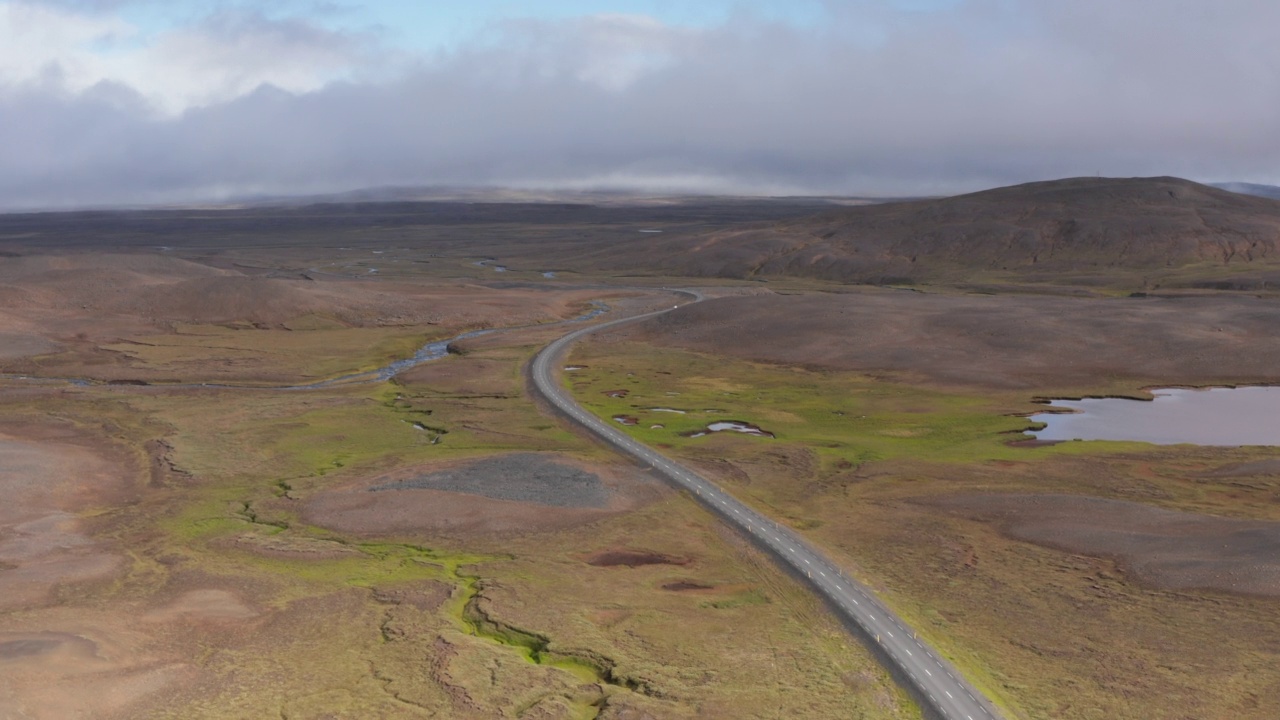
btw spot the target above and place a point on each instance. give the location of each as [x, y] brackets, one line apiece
[934, 682]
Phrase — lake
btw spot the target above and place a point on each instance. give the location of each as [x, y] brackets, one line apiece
[1216, 416]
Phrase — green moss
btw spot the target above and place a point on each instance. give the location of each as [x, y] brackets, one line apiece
[844, 418]
[312, 353]
[749, 597]
[535, 648]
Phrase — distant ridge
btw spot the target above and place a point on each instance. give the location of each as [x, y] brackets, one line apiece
[1266, 191]
[1055, 228]
[501, 195]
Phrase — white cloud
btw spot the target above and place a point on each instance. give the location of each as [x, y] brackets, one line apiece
[39, 43]
[223, 56]
[873, 101]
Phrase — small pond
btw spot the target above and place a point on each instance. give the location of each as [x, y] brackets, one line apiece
[1217, 416]
[732, 426]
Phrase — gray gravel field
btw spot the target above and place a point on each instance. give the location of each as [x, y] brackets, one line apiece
[523, 477]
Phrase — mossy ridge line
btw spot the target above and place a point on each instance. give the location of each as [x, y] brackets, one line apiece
[587, 666]
[537, 646]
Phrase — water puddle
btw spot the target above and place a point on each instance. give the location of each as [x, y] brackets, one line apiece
[489, 263]
[669, 410]
[434, 435]
[732, 426]
[626, 420]
[1217, 416]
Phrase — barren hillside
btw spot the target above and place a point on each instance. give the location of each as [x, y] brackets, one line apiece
[1065, 226]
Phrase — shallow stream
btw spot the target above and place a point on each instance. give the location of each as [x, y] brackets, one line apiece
[431, 351]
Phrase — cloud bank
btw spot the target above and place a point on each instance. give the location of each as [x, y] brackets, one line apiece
[873, 100]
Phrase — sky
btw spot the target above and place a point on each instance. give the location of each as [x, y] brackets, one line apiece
[106, 102]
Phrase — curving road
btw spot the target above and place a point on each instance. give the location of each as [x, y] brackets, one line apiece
[937, 685]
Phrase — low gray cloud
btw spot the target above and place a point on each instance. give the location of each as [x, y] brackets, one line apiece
[872, 101]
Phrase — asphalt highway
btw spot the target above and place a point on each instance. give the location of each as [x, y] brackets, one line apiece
[937, 685]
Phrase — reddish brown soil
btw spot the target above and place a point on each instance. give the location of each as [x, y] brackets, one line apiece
[1161, 548]
[64, 656]
[626, 420]
[633, 558]
[1032, 443]
[49, 473]
[985, 341]
[686, 586]
[287, 547]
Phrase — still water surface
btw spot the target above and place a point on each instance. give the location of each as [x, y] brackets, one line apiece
[1217, 416]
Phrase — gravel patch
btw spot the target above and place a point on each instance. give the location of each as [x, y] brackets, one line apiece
[524, 477]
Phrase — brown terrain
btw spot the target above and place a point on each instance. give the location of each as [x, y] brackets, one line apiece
[436, 547]
[373, 550]
[1038, 230]
[52, 474]
[65, 662]
[991, 341]
[154, 318]
[1162, 548]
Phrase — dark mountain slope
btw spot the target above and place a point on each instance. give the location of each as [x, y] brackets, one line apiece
[1061, 227]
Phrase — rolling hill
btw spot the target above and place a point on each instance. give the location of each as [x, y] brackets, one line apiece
[1067, 227]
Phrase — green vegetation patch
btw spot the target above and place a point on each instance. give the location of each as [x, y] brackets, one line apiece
[316, 350]
[854, 465]
[844, 417]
